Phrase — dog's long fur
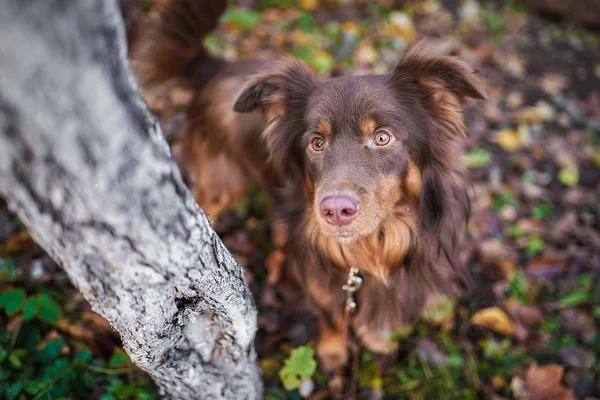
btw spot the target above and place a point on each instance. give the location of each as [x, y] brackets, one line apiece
[412, 192]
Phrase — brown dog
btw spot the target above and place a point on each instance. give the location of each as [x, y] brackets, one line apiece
[365, 170]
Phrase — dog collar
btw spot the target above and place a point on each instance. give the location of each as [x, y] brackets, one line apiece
[351, 286]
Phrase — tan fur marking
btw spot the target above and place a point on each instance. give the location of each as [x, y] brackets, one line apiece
[319, 294]
[447, 106]
[368, 126]
[324, 128]
[413, 180]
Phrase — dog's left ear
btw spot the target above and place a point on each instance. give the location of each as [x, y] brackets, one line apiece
[443, 83]
[281, 91]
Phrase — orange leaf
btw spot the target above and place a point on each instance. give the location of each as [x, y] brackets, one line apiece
[495, 319]
[544, 383]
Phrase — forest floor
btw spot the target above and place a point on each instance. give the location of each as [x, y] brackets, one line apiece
[529, 329]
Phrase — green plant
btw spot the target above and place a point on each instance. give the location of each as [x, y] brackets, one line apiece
[37, 362]
[300, 366]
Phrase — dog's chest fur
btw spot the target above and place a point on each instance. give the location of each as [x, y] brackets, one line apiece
[386, 301]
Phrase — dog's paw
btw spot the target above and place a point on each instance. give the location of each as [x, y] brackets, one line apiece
[336, 385]
[378, 343]
[332, 351]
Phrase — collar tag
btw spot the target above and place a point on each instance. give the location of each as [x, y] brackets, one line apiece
[351, 286]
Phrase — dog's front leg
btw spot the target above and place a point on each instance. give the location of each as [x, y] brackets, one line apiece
[332, 352]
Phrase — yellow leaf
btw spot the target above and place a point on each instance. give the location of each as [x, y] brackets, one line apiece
[401, 25]
[301, 38]
[569, 176]
[309, 5]
[596, 157]
[509, 140]
[365, 53]
[495, 319]
[351, 27]
[541, 112]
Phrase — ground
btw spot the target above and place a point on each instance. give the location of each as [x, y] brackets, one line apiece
[529, 327]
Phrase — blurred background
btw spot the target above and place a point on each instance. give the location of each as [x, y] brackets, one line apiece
[529, 328]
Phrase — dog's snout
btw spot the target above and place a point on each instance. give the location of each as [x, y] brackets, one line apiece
[338, 210]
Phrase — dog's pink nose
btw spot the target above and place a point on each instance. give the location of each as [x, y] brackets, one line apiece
[338, 210]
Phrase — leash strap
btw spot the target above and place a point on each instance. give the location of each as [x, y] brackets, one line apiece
[351, 286]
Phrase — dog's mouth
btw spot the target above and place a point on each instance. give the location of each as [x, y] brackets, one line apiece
[349, 234]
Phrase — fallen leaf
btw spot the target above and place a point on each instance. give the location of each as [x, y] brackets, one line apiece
[514, 100]
[469, 11]
[495, 319]
[544, 383]
[401, 25]
[569, 176]
[553, 83]
[308, 5]
[509, 140]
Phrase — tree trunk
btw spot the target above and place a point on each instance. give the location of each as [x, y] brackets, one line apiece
[85, 166]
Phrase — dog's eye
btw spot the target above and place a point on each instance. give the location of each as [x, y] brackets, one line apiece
[317, 144]
[382, 137]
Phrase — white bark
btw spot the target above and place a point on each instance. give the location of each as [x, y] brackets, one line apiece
[84, 164]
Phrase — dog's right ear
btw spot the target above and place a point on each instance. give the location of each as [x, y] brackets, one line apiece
[286, 83]
[281, 90]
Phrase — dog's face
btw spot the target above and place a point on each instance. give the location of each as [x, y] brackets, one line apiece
[356, 156]
[370, 147]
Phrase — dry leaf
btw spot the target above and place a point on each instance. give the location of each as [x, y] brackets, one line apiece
[514, 100]
[400, 25]
[509, 140]
[495, 319]
[309, 5]
[544, 383]
[541, 112]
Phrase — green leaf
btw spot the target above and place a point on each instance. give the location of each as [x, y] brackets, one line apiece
[13, 390]
[30, 308]
[322, 61]
[31, 336]
[576, 298]
[456, 360]
[14, 360]
[51, 350]
[476, 158]
[242, 18]
[300, 366]
[12, 300]
[84, 355]
[118, 359]
[306, 22]
[542, 209]
[534, 245]
[114, 386]
[8, 271]
[369, 376]
[33, 386]
[48, 311]
[439, 312]
[517, 287]
[3, 354]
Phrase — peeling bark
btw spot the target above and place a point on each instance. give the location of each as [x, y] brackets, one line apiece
[85, 166]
